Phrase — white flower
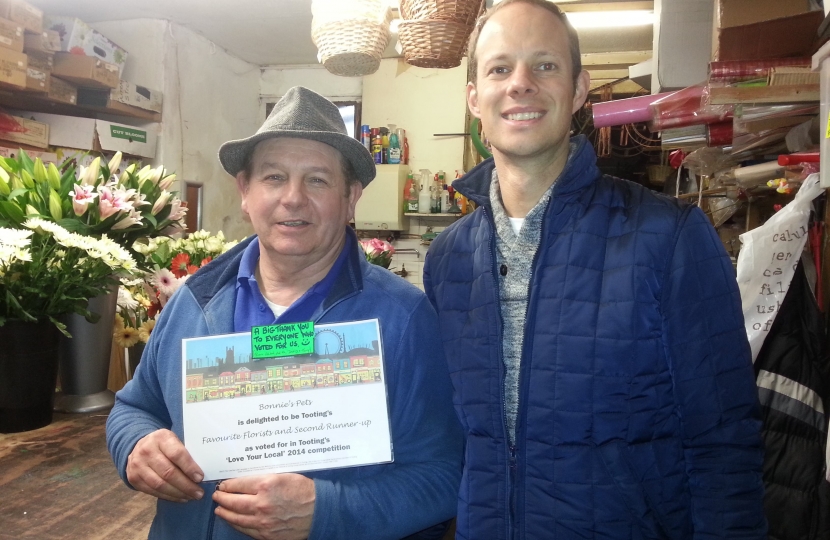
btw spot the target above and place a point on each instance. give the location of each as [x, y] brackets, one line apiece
[165, 281]
[126, 300]
[213, 245]
[15, 237]
[160, 202]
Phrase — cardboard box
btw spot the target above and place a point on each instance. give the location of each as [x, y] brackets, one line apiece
[783, 76]
[776, 38]
[137, 96]
[85, 70]
[23, 13]
[11, 35]
[45, 157]
[37, 81]
[729, 13]
[77, 37]
[138, 139]
[13, 68]
[127, 93]
[34, 133]
[44, 61]
[47, 41]
[62, 91]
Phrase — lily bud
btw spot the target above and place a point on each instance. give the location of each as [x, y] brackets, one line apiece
[167, 181]
[4, 187]
[55, 205]
[39, 171]
[160, 202]
[115, 162]
[15, 182]
[5, 164]
[91, 173]
[53, 176]
[144, 173]
[27, 179]
[4, 175]
[31, 211]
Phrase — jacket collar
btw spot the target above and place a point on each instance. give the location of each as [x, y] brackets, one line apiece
[210, 280]
[579, 171]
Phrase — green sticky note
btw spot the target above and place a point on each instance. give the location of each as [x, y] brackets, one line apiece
[281, 340]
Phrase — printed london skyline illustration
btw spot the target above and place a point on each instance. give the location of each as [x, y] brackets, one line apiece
[221, 367]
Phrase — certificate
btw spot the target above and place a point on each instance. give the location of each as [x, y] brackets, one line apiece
[323, 410]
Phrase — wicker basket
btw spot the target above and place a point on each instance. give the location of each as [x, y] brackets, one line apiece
[460, 11]
[433, 44]
[350, 48]
[350, 35]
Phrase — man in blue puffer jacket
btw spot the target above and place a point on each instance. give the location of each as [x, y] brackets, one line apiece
[593, 328]
[300, 177]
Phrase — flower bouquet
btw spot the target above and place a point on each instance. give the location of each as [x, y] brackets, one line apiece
[47, 271]
[135, 204]
[378, 251]
[172, 260]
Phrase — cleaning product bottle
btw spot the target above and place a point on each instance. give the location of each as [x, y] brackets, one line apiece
[411, 198]
[384, 141]
[435, 196]
[377, 146]
[443, 194]
[365, 137]
[394, 149]
[423, 196]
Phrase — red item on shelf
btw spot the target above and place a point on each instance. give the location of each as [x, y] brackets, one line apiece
[802, 157]
[719, 134]
[743, 70]
[687, 107]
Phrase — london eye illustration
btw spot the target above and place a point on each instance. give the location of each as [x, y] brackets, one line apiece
[327, 342]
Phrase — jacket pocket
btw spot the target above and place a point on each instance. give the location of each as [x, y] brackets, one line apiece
[631, 491]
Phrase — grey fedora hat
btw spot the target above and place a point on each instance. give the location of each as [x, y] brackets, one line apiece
[302, 114]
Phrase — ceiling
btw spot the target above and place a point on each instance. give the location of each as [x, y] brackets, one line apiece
[278, 32]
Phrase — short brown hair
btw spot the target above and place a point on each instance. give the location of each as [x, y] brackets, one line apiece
[573, 38]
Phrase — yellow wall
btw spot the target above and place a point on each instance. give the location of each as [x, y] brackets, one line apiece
[423, 102]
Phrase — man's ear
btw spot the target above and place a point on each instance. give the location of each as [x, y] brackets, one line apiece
[355, 191]
[242, 188]
[472, 100]
[582, 84]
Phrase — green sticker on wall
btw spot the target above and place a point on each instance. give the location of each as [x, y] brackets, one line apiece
[281, 340]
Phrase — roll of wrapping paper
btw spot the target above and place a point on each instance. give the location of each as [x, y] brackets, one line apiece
[744, 70]
[719, 134]
[686, 108]
[754, 175]
[624, 111]
[686, 137]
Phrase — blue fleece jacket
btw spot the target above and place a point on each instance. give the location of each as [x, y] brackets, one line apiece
[388, 501]
[638, 411]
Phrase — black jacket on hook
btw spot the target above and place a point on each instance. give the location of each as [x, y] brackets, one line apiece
[793, 379]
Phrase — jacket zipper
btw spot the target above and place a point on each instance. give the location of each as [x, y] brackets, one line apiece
[211, 519]
[511, 461]
[524, 364]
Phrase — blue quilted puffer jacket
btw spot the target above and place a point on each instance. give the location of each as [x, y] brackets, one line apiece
[638, 411]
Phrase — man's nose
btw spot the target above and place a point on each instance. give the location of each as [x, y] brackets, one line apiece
[294, 193]
[522, 81]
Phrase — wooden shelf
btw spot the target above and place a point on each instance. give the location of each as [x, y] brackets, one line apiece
[795, 93]
[40, 103]
[415, 214]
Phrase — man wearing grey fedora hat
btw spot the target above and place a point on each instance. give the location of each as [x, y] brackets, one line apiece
[299, 177]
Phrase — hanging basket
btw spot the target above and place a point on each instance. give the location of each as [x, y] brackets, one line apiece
[459, 11]
[350, 35]
[350, 48]
[433, 44]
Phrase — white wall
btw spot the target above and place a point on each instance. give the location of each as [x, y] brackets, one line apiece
[210, 97]
[682, 43]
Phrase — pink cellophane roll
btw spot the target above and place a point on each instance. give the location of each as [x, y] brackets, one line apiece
[625, 111]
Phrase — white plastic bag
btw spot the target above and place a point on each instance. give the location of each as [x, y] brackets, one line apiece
[768, 259]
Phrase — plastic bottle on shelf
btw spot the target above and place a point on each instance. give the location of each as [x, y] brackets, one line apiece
[365, 137]
[377, 146]
[384, 141]
[410, 196]
[394, 149]
[423, 196]
[435, 196]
